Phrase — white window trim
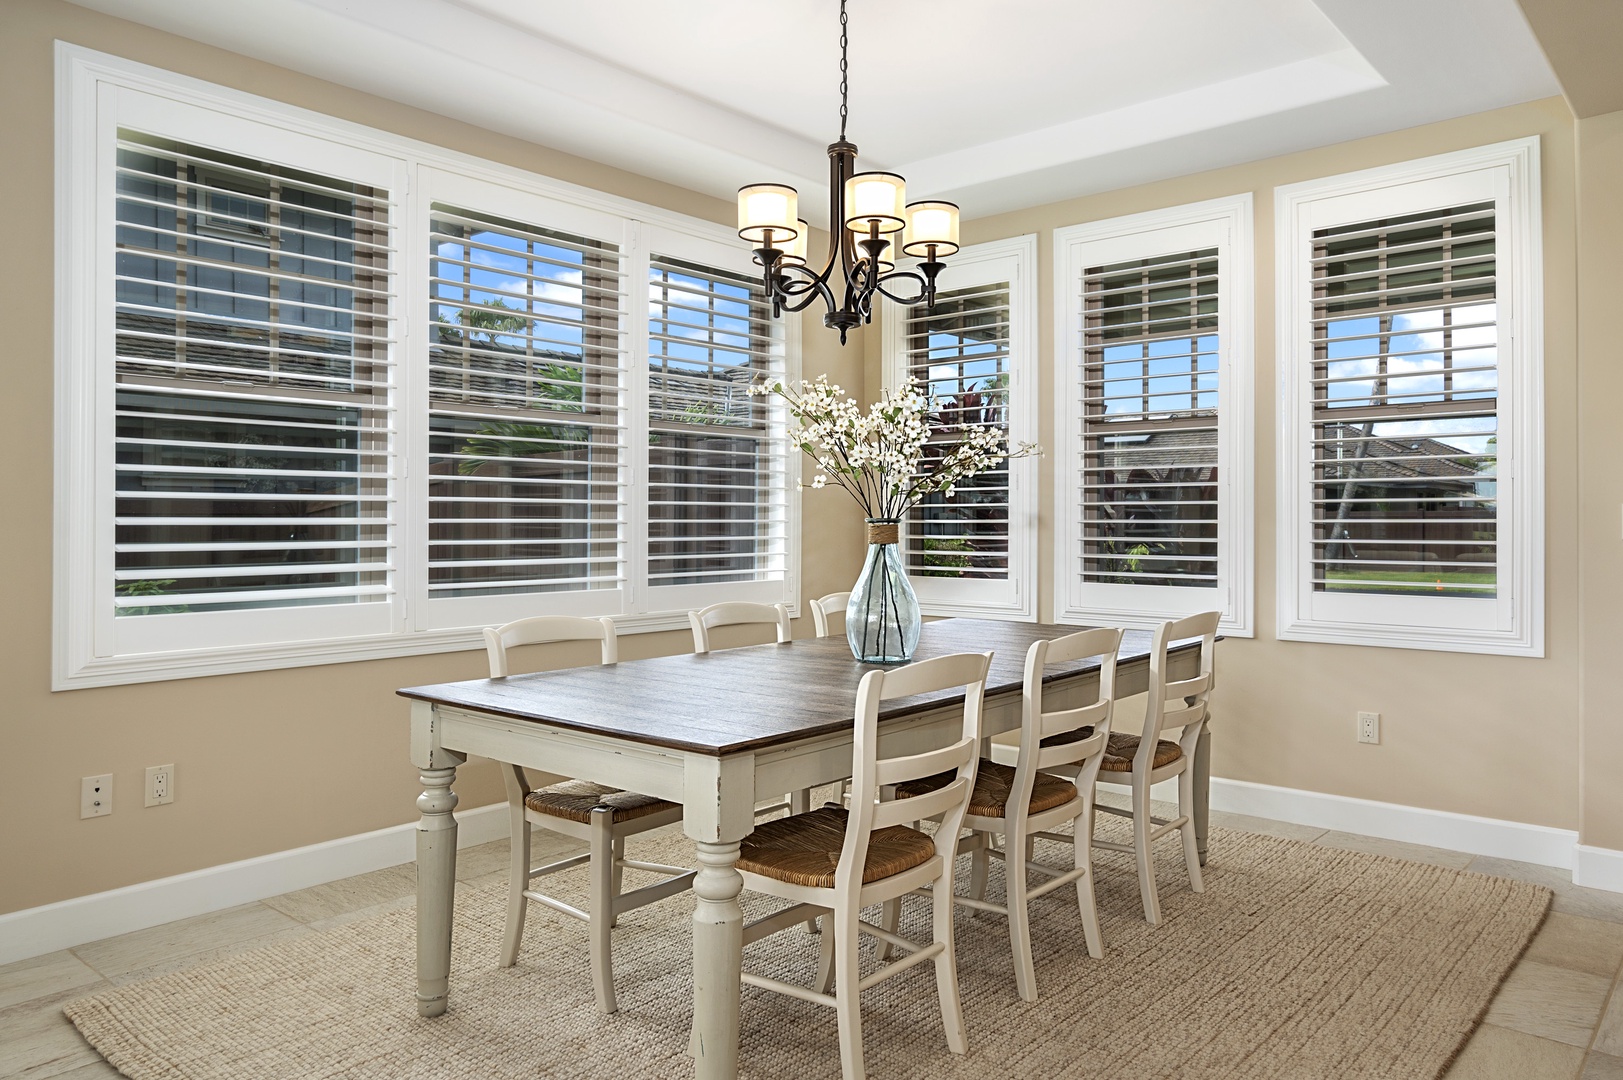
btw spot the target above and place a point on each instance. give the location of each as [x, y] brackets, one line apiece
[1514, 628]
[1226, 224]
[1014, 599]
[83, 129]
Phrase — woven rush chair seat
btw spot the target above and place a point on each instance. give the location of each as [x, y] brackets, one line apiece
[993, 784]
[1119, 755]
[805, 849]
[578, 799]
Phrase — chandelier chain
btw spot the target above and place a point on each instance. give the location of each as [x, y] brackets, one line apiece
[844, 89]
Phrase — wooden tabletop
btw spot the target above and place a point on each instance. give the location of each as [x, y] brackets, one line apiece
[743, 699]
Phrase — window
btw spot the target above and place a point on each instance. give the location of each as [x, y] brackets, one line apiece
[975, 552]
[1409, 349]
[716, 455]
[305, 416]
[1154, 403]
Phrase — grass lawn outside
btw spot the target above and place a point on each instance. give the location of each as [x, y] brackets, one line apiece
[1412, 582]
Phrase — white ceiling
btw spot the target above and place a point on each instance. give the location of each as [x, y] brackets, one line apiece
[998, 105]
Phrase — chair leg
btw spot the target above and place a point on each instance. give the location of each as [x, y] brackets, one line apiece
[847, 1001]
[617, 884]
[978, 864]
[601, 910]
[890, 917]
[1014, 877]
[1084, 885]
[825, 957]
[946, 965]
[800, 803]
[1141, 844]
[1191, 850]
[518, 879]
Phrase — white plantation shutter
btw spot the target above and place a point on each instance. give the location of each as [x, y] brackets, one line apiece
[526, 415]
[974, 350]
[254, 422]
[1405, 403]
[958, 349]
[1410, 366]
[1154, 468]
[716, 512]
[1149, 421]
[274, 447]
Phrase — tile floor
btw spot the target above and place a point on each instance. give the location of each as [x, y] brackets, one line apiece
[1558, 1017]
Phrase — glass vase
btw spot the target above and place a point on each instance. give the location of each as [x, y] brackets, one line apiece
[882, 619]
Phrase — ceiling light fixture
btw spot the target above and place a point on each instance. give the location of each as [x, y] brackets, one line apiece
[866, 214]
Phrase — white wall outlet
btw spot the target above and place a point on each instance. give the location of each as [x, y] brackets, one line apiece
[96, 796]
[1369, 727]
[160, 784]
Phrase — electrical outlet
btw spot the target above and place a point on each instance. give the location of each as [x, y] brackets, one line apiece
[1369, 727]
[96, 796]
[160, 785]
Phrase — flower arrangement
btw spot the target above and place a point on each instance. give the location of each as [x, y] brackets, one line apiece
[896, 453]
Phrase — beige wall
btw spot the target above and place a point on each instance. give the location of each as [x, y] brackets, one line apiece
[1600, 475]
[275, 760]
[1485, 735]
[267, 761]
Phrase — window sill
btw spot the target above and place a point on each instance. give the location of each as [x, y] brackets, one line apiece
[162, 667]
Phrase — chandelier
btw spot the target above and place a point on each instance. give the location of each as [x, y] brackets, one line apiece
[866, 212]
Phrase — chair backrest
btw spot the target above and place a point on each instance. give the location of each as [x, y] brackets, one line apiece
[826, 608]
[1178, 704]
[871, 773]
[1038, 723]
[544, 630]
[736, 613]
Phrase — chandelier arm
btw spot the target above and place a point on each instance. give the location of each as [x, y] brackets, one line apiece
[904, 275]
[797, 295]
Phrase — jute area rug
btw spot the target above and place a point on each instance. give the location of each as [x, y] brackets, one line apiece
[1297, 962]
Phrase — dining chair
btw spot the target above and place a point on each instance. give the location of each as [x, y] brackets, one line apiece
[834, 862]
[740, 613]
[1138, 762]
[825, 609]
[602, 816]
[1018, 800]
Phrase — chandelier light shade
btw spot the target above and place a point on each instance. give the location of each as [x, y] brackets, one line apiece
[795, 253]
[768, 213]
[875, 200]
[871, 226]
[932, 230]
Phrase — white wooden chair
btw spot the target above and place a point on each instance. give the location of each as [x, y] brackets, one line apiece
[1137, 762]
[834, 862]
[740, 613]
[601, 816]
[826, 609]
[1016, 799]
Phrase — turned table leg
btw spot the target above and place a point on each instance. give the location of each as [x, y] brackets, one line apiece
[718, 942]
[436, 888]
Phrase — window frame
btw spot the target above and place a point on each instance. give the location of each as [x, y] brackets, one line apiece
[1512, 623]
[1226, 224]
[95, 92]
[1013, 259]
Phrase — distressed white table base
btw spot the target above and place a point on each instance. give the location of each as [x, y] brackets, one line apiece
[718, 795]
[436, 884]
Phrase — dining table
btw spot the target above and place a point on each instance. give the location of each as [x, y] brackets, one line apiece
[718, 732]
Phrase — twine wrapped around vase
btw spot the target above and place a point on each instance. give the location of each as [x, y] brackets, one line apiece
[884, 532]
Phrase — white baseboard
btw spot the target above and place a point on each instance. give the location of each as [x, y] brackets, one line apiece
[35, 931]
[1390, 821]
[1598, 868]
